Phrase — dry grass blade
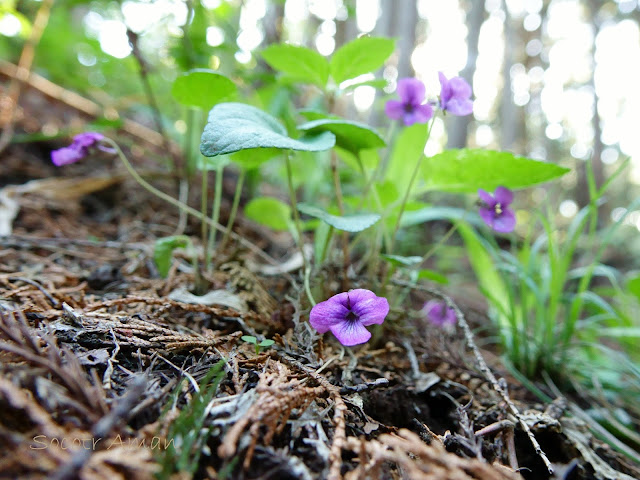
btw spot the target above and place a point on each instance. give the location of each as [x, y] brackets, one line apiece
[418, 460]
[19, 340]
[278, 396]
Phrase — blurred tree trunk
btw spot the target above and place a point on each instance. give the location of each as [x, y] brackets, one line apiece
[272, 23]
[398, 20]
[582, 188]
[458, 128]
[346, 30]
[507, 107]
[511, 122]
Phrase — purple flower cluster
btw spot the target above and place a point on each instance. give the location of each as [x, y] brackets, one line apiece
[455, 98]
[495, 211]
[347, 314]
[80, 147]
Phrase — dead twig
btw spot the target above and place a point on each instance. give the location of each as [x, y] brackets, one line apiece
[484, 368]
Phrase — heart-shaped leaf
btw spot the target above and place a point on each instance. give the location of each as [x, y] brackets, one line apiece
[236, 126]
[298, 63]
[202, 88]
[360, 56]
[352, 136]
[466, 170]
[270, 212]
[348, 223]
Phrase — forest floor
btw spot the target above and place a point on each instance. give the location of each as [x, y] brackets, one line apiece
[109, 371]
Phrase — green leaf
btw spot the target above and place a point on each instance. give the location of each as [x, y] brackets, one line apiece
[633, 285]
[236, 126]
[270, 212]
[376, 83]
[163, 249]
[360, 56]
[299, 63]
[620, 332]
[266, 343]
[253, 158]
[488, 278]
[352, 136]
[249, 339]
[431, 213]
[348, 223]
[401, 261]
[467, 170]
[433, 276]
[407, 149]
[202, 88]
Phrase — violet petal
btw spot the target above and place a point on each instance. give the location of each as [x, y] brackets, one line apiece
[487, 198]
[459, 107]
[371, 311]
[445, 89]
[350, 333]
[66, 156]
[505, 222]
[411, 91]
[503, 196]
[488, 216]
[394, 109]
[326, 314]
[423, 113]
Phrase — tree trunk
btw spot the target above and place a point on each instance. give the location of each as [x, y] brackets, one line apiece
[511, 128]
[582, 188]
[459, 126]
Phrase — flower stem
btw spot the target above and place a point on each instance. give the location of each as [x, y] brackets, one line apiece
[203, 210]
[408, 191]
[234, 208]
[340, 201]
[215, 212]
[187, 209]
[296, 220]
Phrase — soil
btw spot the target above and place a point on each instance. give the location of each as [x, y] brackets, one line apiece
[101, 357]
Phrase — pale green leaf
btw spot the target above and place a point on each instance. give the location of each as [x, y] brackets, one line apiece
[270, 212]
[467, 170]
[360, 56]
[347, 223]
[202, 88]
[298, 63]
[236, 126]
[350, 135]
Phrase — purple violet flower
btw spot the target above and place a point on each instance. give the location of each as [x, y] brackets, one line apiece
[439, 314]
[455, 95]
[346, 314]
[79, 149]
[410, 108]
[495, 211]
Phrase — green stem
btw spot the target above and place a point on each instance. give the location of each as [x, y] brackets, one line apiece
[215, 211]
[234, 208]
[203, 210]
[296, 221]
[345, 235]
[186, 208]
[404, 204]
[408, 191]
[441, 242]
